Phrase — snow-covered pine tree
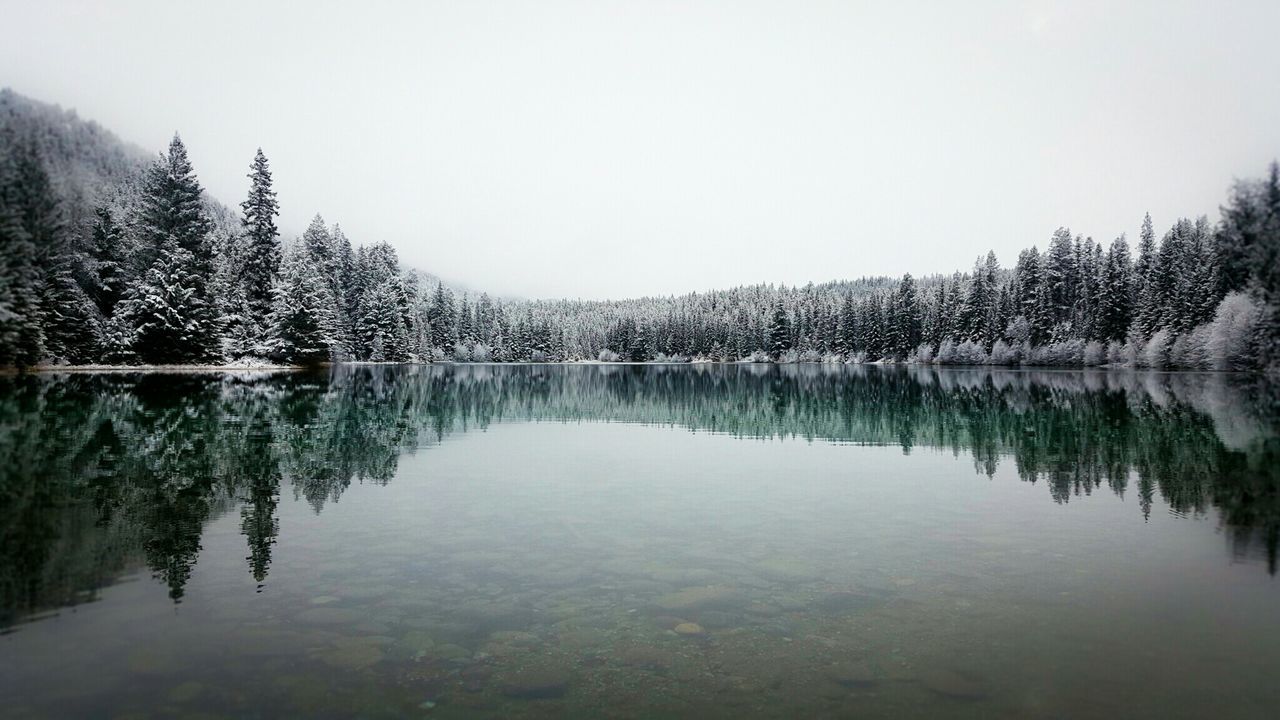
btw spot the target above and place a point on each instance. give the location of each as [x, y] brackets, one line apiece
[442, 317]
[243, 329]
[344, 263]
[1060, 273]
[1266, 268]
[1146, 307]
[261, 246]
[71, 328]
[638, 351]
[107, 263]
[1115, 294]
[847, 328]
[303, 318]
[383, 324]
[108, 279]
[21, 331]
[64, 312]
[779, 331]
[907, 318]
[175, 320]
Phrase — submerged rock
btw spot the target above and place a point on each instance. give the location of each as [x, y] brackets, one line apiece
[689, 629]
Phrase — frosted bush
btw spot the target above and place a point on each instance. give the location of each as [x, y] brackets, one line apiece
[1156, 353]
[790, 357]
[1232, 340]
[1003, 354]
[1131, 352]
[858, 358]
[1067, 353]
[481, 353]
[1191, 350]
[608, 355]
[665, 358]
[1115, 353]
[810, 356]
[437, 355]
[538, 356]
[1094, 354]
[971, 353]
[923, 354]
[947, 353]
[461, 353]
[757, 356]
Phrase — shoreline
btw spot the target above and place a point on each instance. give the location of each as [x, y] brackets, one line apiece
[175, 369]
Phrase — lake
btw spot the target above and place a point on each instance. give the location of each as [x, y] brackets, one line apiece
[639, 541]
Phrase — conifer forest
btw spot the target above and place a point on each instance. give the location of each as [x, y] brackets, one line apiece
[111, 257]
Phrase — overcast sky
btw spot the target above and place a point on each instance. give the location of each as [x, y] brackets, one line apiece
[610, 149]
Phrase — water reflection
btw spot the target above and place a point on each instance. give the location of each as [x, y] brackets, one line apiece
[102, 473]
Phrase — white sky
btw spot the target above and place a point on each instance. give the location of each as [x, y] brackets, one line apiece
[614, 149]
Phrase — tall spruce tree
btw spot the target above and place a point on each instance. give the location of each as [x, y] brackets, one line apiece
[261, 247]
[174, 317]
[779, 331]
[907, 318]
[1146, 307]
[1115, 296]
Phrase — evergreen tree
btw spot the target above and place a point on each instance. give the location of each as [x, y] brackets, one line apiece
[71, 330]
[442, 318]
[907, 318]
[779, 331]
[176, 321]
[1146, 305]
[23, 225]
[847, 330]
[344, 263]
[1115, 295]
[302, 320]
[1059, 277]
[261, 260]
[107, 261]
[638, 347]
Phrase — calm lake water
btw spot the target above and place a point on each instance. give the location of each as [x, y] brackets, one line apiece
[639, 541]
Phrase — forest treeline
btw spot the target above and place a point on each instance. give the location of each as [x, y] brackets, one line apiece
[103, 472]
[105, 258]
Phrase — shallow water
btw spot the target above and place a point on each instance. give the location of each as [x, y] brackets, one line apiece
[639, 541]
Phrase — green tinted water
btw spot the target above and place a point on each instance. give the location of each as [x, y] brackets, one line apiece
[623, 541]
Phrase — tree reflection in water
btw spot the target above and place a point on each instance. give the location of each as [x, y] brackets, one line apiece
[102, 472]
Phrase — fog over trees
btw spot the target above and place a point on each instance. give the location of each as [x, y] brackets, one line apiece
[108, 256]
